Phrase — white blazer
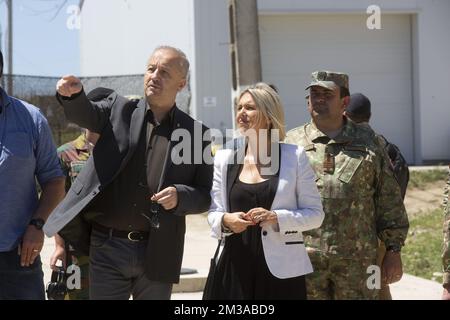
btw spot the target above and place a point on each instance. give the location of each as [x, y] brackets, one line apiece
[297, 204]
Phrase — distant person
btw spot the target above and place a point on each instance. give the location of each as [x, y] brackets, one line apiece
[359, 111]
[73, 156]
[446, 246]
[262, 215]
[27, 155]
[274, 87]
[127, 207]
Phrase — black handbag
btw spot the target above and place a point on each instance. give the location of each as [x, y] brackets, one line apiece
[212, 281]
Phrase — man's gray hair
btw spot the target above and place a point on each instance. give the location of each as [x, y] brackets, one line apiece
[184, 62]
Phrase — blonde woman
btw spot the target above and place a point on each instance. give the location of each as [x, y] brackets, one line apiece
[263, 197]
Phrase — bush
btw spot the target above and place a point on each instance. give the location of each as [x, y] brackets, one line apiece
[419, 179]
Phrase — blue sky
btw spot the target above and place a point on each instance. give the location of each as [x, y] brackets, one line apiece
[43, 44]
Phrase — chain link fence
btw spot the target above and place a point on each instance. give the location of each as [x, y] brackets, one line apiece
[40, 91]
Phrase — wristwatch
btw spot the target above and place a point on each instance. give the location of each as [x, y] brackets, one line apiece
[226, 230]
[38, 223]
[394, 248]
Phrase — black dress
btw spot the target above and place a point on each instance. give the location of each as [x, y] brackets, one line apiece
[242, 268]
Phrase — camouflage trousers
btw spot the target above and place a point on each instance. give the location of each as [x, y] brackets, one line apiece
[338, 278]
[83, 293]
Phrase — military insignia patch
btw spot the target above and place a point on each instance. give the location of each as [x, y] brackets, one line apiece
[328, 163]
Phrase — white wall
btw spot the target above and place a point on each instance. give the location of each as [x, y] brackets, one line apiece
[118, 36]
[378, 63]
[347, 6]
[434, 79]
[211, 90]
[431, 61]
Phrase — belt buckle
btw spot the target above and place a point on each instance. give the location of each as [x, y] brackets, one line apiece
[133, 239]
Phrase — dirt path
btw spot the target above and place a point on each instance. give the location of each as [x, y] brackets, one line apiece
[424, 200]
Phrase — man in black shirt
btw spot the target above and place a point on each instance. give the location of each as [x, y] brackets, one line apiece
[127, 207]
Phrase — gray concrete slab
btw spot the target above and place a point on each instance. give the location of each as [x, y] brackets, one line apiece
[425, 168]
[200, 247]
[415, 288]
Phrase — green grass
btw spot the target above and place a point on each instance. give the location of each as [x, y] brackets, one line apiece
[419, 179]
[422, 252]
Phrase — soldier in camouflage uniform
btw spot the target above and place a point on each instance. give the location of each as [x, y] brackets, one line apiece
[360, 197]
[73, 156]
[359, 111]
[446, 246]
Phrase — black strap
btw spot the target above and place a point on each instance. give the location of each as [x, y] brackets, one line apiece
[216, 254]
[58, 275]
[69, 252]
[164, 169]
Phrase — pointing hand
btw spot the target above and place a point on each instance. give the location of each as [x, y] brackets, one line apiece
[68, 86]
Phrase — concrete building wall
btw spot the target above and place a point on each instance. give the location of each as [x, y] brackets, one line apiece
[211, 91]
[433, 64]
[118, 36]
[430, 61]
[378, 63]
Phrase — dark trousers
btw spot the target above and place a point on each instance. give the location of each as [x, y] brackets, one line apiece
[20, 283]
[116, 271]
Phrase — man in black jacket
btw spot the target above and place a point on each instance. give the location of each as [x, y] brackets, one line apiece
[127, 207]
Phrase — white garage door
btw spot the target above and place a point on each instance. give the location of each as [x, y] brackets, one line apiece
[378, 63]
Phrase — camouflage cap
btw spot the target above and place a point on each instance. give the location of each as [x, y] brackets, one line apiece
[329, 79]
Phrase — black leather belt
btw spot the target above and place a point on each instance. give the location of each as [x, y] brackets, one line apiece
[134, 236]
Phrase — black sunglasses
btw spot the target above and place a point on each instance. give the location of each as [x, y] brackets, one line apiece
[155, 208]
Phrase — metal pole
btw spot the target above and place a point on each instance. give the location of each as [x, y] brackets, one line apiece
[10, 47]
[247, 41]
[244, 45]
